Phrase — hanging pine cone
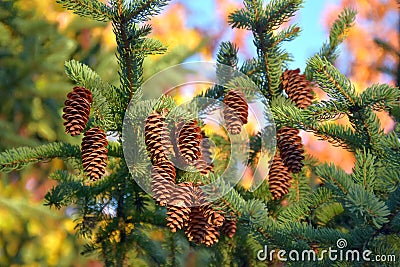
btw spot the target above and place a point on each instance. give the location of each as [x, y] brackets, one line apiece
[297, 87]
[202, 166]
[179, 209]
[213, 216]
[201, 228]
[236, 111]
[94, 153]
[291, 148]
[163, 182]
[189, 138]
[157, 137]
[77, 110]
[229, 227]
[279, 178]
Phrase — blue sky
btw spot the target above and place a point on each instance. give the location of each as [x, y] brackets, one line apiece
[201, 14]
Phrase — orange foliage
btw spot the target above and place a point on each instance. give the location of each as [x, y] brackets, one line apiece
[361, 57]
[170, 27]
[375, 19]
[238, 36]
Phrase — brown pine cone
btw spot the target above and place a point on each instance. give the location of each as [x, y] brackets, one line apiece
[201, 228]
[229, 227]
[94, 153]
[236, 111]
[180, 206]
[291, 148]
[297, 87]
[196, 226]
[279, 178]
[77, 110]
[202, 166]
[163, 182]
[214, 217]
[157, 138]
[189, 138]
[211, 235]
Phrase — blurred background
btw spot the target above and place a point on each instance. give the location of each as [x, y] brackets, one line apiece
[37, 36]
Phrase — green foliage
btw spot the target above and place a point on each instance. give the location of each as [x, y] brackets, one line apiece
[31, 76]
[262, 21]
[337, 34]
[104, 95]
[87, 8]
[15, 159]
[331, 80]
[380, 97]
[142, 10]
[357, 196]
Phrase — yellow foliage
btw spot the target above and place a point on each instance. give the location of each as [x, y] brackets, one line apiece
[172, 20]
[157, 235]
[47, 8]
[69, 226]
[53, 242]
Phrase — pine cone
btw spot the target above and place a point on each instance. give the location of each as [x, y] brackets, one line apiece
[200, 228]
[236, 111]
[94, 153]
[213, 216]
[202, 166]
[189, 138]
[229, 228]
[179, 210]
[157, 138]
[77, 110]
[211, 235]
[279, 178]
[297, 87]
[291, 148]
[163, 181]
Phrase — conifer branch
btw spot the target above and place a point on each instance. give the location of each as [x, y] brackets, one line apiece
[337, 34]
[367, 128]
[331, 80]
[286, 35]
[105, 106]
[338, 135]
[299, 211]
[117, 215]
[259, 32]
[227, 54]
[142, 10]
[92, 9]
[126, 56]
[326, 110]
[365, 204]
[380, 97]
[18, 158]
[280, 11]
